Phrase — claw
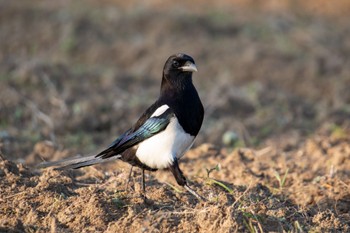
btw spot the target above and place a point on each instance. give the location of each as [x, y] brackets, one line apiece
[199, 197]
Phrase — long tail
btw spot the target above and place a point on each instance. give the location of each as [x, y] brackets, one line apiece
[75, 163]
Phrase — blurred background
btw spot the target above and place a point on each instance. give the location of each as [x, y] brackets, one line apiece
[76, 74]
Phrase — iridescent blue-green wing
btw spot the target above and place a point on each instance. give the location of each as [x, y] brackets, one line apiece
[149, 128]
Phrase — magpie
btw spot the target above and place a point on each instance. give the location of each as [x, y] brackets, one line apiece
[163, 133]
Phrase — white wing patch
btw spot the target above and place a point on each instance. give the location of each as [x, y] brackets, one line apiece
[160, 150]
[160, 110]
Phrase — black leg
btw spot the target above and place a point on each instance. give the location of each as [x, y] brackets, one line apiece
[143, 186]
[181, 179]
[143, 194]
[129, 178]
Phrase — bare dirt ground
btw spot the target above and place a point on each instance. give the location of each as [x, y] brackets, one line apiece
[273, 153]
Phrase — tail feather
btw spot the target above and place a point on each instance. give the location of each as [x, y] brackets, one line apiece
[75, 163]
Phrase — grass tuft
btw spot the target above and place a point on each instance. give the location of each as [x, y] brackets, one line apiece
[281, 181]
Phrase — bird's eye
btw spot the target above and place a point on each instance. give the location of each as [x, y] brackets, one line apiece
[176, 64]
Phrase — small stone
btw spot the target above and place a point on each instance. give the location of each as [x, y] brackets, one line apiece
[230, 138]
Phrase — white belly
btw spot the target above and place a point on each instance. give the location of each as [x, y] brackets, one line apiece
[160, 150]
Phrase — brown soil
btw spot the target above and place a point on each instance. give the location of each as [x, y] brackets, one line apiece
[272, 156]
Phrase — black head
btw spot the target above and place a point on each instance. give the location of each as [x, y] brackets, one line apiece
[178, 65]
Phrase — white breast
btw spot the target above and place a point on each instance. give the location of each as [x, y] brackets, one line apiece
[160, 150]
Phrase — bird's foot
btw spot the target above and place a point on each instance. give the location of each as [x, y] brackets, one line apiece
[146, 200]
[199, 197]
[129, 187]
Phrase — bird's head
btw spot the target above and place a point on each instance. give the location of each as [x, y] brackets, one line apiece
[179, 64]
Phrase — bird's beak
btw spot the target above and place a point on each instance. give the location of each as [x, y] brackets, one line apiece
[189, 66]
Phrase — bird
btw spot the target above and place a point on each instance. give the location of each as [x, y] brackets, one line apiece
[163, 133]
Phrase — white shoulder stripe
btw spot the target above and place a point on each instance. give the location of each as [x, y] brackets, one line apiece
[160, 110]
